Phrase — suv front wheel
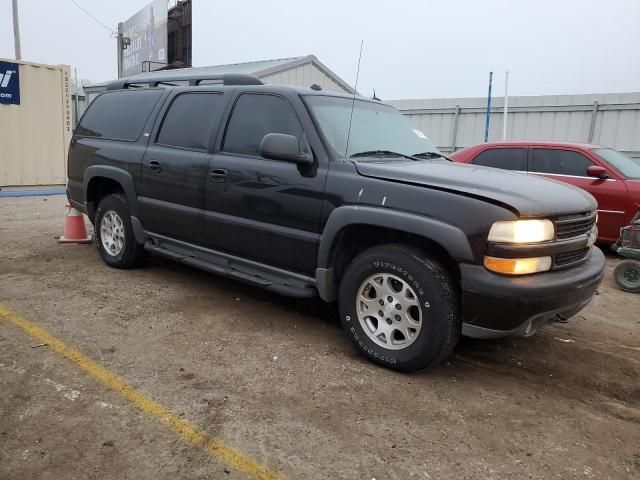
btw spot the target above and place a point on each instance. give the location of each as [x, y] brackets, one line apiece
[400, 307]
[114, 234]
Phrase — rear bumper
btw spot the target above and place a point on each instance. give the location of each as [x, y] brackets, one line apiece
[74, 195]
[496, 305]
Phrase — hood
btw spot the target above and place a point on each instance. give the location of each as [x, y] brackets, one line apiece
[528, 195]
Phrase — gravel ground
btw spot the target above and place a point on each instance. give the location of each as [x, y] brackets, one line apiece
[276, 379]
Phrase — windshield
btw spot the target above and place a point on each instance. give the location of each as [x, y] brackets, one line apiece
[627, 166]
[376, 128]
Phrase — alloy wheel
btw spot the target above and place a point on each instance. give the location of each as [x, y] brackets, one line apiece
[112, 233]
[389, 311]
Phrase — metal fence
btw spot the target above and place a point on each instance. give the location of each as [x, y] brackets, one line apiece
[610, 119]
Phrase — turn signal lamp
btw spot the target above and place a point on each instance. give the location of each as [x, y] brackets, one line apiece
[517, 266]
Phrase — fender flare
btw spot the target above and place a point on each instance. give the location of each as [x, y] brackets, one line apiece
[451, 238]
[119, 175]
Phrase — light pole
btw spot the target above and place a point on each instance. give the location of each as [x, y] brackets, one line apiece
[120, 50]
[488, 118]
[16, 29]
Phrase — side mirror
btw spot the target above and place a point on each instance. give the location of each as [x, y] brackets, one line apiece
[280, 146]
[597, 171]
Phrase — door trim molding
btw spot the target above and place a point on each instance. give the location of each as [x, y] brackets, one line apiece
[617, 212]
[575, 176]
[289, 232]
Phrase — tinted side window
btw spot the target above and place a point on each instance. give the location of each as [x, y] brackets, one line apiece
[560, 162]
[191, 120]
[253, 117]
[118, 115]
[506, 158]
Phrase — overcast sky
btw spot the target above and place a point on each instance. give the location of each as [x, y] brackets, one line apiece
[412, 49]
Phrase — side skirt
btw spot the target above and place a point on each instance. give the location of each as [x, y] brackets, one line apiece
[259, 274]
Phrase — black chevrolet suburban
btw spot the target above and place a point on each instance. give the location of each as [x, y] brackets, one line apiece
[309, 193]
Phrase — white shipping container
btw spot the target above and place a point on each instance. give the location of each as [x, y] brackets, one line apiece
[35, 135]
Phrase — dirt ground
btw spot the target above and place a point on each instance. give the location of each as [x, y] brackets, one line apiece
[276, 379]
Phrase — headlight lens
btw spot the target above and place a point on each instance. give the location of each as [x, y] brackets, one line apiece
[517, 266]
[522, 231]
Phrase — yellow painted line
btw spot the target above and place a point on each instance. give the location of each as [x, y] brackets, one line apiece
[184, 428]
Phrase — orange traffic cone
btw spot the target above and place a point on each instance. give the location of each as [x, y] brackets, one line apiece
[74, 229]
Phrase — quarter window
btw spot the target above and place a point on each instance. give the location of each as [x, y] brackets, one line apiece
[191, 120]
[118, 115]
[506, 158]
[253, 117]
[560, 162]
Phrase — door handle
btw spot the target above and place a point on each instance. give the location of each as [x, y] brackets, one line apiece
[154, 165]
[218, 175]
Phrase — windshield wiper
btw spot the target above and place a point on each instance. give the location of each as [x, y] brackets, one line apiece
[430, 155]
[380, 153]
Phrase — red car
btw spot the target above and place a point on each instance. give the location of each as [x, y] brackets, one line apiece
[610, 176]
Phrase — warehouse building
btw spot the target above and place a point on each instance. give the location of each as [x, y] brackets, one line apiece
[298, 71]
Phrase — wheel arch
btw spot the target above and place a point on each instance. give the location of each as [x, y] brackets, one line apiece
[352, 229]
[101, 180]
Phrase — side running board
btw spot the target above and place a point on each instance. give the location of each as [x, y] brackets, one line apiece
[270, 278]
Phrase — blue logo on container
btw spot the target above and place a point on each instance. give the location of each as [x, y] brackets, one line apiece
[9, 83]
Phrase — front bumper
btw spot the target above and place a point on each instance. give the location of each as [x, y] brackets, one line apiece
[496, 305]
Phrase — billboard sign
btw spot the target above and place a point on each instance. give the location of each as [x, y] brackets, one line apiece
[9, 83]
[147, 31]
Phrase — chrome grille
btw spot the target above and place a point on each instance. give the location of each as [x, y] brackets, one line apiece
[575, 225]
[569, 227]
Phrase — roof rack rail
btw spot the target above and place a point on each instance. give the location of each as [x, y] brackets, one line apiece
[191, 78]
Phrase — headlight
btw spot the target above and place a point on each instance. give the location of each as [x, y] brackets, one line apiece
[517, 266]
[522, 231]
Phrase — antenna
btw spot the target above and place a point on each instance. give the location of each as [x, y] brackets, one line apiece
[353, 102]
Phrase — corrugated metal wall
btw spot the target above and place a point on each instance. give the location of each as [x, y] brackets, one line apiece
[609, 119]
[35, 135]
[304, 76]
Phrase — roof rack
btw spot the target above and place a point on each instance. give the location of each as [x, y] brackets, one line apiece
[170, 78]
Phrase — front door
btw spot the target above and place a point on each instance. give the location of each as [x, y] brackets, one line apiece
[261, 209]
[175, 164]
[570, 166]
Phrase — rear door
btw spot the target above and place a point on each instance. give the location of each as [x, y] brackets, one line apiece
[171, 191]
[262, 209]
[111, 133]
[570, 166]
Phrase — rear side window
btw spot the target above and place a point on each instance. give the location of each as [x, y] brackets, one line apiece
[253, 117]
[560, 162]
[118, 115]
[505, 158]
[191, 120]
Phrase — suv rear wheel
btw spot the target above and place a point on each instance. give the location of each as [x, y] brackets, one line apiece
[400, 307]
[114, 234]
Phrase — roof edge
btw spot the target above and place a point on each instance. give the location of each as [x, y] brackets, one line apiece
[303, 61]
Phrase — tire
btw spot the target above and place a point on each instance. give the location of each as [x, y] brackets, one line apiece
[120, 249]
[627, 275]
[430, 307]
